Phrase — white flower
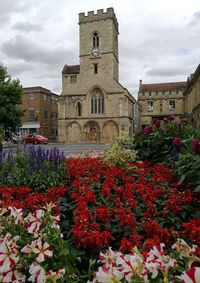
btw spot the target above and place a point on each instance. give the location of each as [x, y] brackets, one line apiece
[110, 256]
[42, 250]
[37, 273]
[109, 274]
[8, 253]
[35, 221]
[185, 251]
[17, 214]
[157, 260]
[190, 276]
[13, 276]
[131, 264]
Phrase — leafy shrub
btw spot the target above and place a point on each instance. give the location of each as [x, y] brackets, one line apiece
[188, 168]
[110, 206]
[35, 167]
[119, 154]
[164, 141]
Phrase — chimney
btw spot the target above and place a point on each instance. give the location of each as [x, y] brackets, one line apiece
[140, 82]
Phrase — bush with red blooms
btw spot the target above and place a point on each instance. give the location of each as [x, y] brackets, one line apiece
[139, 206]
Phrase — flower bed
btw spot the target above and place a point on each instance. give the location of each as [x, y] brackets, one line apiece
[101, 206]
[142, 205]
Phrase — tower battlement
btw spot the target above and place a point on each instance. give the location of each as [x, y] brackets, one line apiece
[100, 15]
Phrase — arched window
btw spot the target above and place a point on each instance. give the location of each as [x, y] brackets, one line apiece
[97, 102]
[78, 108]
[95, 39]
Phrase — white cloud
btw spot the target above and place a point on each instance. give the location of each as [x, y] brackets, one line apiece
[159, 40]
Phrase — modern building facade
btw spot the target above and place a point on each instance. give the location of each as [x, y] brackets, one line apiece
[41, 112]
[192, 96]
[94, 106]
[160, 100]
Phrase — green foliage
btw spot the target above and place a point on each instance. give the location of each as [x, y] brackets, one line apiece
[187, 167]
[17, 171]
[155, 143]
[10, 98]
[119, 154]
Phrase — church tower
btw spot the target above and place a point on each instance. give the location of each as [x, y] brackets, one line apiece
[99, 44]
[93, 106]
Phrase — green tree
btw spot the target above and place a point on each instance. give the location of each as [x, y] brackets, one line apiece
[10, 99]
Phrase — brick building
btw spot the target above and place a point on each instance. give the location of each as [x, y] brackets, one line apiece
[41, 115]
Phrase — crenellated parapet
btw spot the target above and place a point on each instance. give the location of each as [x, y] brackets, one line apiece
[100, 15]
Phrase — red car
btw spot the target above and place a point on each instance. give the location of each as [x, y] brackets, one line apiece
[35, 139]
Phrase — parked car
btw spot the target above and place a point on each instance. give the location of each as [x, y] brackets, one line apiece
[35, 139]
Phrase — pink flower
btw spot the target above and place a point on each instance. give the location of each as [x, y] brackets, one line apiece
[192, 275]
[177, 143]
[196, 146]
[148, 130]
[157, 124]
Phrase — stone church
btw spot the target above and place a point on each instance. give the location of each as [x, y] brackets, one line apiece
[93, 106]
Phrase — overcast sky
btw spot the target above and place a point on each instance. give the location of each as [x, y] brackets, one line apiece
[159, 40]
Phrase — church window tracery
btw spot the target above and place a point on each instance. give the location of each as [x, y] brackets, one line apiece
[97, 102]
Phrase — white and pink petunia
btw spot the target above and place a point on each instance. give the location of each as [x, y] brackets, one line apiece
[13, 276]
[38, 274]
[17, 214]
[8, 253]
[42, 250]
[191, 275]
[35, 221]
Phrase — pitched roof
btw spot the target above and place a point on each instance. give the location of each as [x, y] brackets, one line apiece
[162, 86]
[71, 69]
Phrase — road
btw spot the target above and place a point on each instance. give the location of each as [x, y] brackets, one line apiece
[73, 149]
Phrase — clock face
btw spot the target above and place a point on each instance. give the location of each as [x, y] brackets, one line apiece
[95, 51]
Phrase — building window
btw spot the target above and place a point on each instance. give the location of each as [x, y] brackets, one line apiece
[45, 97]
[31, 114]
[45, 114]
[172, 105]
[54, 115]
[150, 93]
[31, 96]
[97, 102]
[150, 106]
[54, 132]
[96, 68]
[78, 108]
[95, 39]
[73, 79]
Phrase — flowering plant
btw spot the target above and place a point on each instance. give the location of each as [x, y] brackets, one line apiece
[32, 248]
[32, 166]
[154, 266]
